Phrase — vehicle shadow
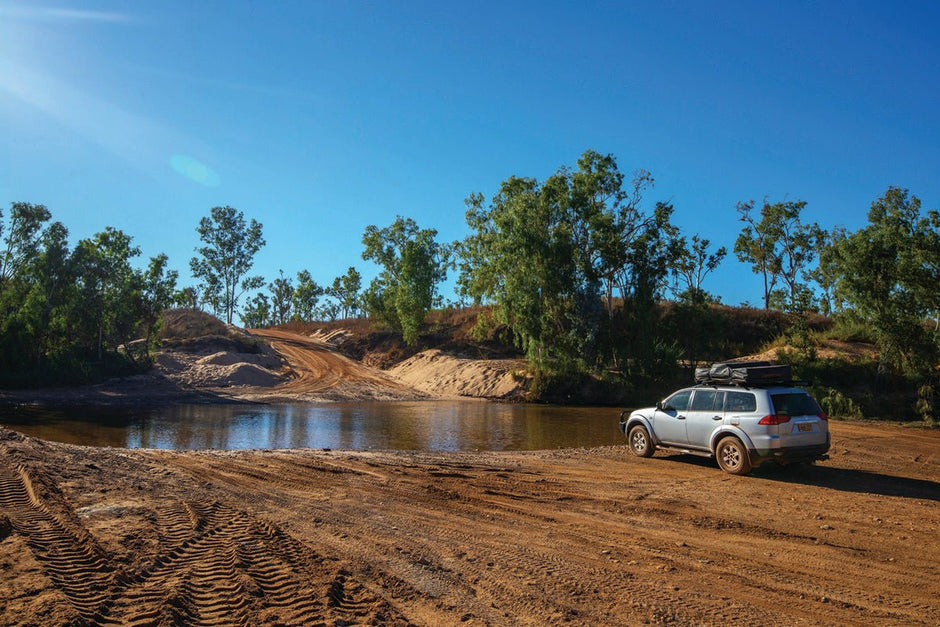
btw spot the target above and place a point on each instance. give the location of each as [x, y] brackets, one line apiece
[848, 480]
[842, 479]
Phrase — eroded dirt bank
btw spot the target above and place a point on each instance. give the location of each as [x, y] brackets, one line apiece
[588, 537]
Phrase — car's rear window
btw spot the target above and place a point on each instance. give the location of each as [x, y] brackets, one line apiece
[740, 401]
[795, 404]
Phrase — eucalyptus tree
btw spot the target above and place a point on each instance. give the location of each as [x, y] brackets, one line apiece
[306, 296]
[42, 303]
[693, 263]
[157, 294]
[345, 289]
[551, 255]
[187, 297]
[20, 237]
[889, 273]
[257, 312]
[282, 298]
[780, 247]
[413, 264]
[224, 262]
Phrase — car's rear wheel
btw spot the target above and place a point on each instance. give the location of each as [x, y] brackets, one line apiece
[640, 443]
[732, 456]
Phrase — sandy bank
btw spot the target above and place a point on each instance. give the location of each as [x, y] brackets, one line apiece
[446, 376]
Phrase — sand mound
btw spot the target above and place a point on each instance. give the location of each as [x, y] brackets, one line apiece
[237, 374]
[228, 358]
[440, 374]
[222, 369]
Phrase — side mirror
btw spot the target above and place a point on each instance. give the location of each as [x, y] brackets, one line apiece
[659, 405]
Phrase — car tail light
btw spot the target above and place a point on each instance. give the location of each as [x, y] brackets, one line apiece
[774, 419]
[822, 416]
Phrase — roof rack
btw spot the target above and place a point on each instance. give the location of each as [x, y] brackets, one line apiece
[745, 374]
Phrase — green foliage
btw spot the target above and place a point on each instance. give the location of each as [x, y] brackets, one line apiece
[836, 404]
[635, 340]
[888, 272]
[257, 312]
[699, 329]
[413, 264]
[693, 263]
[780, 247]
[306, 296]
[848, 327]
[543, 252]
[926, 404]
[21, 237]
[345, 290]
[188, 298]
[227, 257]
[157, 295]
[69, 315]
[282, 298]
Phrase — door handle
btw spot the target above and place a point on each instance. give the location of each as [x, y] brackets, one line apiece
[716, 418]
[680, 417]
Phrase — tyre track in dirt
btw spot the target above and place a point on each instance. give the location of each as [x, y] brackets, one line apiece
[658, 524]
[581, 537]
[217, 565]
[456, 522]
[70, 558]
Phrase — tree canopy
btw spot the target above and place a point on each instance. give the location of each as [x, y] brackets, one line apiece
[226, 259]
[69, 314]
[889, 273]
[780, 247]
[542, 253]
[412, 265]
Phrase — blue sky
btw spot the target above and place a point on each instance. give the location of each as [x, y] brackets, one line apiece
[319, 118]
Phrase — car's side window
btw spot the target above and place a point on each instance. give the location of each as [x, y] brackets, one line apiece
[679, 401]
[719, 401]
[703, 400]
[740, 401]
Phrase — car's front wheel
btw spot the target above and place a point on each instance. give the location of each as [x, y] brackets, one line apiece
[640, 443]
[732, 456]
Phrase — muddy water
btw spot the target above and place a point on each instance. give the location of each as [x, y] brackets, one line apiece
[426, 426]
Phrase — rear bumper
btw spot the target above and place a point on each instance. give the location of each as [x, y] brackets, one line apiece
[793, 454]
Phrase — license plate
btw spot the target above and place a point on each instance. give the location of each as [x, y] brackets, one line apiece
[805, 426]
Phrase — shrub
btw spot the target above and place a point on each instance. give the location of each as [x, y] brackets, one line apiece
[837, 405]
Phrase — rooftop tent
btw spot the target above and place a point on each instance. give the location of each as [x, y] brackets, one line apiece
[752, 374]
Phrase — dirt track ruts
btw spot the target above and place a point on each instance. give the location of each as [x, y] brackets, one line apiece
[319, 372]
[588, 537]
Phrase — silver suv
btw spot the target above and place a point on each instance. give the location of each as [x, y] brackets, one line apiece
[740, 425]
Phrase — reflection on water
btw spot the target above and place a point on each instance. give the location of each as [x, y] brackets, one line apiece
[428, 426]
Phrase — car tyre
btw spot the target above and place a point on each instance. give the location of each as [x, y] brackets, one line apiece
[640, 442]
[732, 456]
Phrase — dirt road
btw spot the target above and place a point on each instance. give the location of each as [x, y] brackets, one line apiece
[321, 373]
[585, 537]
